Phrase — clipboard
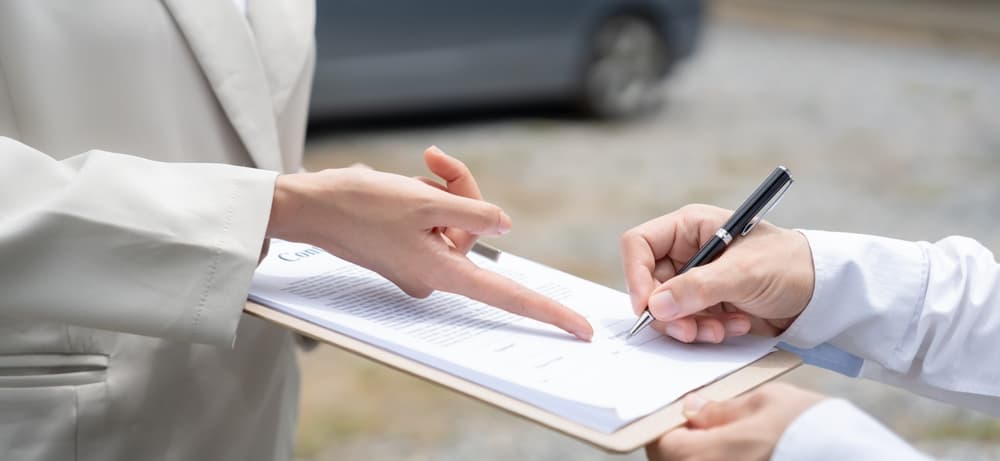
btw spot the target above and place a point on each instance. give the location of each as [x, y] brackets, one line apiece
[627, 439]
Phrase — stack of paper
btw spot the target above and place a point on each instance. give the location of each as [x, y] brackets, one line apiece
[603, 385]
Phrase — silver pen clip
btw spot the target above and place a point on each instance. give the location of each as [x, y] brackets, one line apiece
[774, 202]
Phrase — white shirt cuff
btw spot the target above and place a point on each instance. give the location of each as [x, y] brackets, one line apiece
[836, 430]
[867, 293]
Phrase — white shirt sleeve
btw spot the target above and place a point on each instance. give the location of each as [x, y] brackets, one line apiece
[923, 316]
[835, 430]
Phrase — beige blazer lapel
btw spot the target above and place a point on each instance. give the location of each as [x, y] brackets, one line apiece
[284, 31]
[222, 44]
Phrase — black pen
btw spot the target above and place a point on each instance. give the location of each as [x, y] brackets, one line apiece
[742, 222]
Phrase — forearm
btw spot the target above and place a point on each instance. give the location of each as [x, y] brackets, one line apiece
[920, 314]
[121, 243]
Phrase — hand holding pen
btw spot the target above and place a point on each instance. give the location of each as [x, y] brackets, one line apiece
[694, 291]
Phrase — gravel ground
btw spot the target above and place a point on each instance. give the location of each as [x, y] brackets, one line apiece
[883, 137]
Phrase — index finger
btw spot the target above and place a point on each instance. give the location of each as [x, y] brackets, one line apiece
[639, 263]
[676, 236]
[679, 235]
[496, 290]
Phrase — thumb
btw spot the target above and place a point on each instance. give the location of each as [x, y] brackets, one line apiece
[704, 414]
[693, 291]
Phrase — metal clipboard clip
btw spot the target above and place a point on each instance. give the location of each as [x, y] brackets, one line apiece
[486, 251]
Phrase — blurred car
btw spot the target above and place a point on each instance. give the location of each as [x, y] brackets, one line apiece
[608, 57]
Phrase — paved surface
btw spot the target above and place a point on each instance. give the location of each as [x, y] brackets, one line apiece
[901, 139]
[966, 23]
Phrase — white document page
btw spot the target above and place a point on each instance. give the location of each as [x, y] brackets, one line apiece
[603, 385]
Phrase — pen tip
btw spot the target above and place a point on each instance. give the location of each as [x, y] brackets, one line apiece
[645, 319]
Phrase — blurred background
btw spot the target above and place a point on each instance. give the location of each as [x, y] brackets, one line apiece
[585, 118]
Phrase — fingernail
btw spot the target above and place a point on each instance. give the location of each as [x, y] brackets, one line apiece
[707, 335]
[663, 306]
[737, 326]
[693, 404]
[505, 223]
[435, 149]
[584, 334]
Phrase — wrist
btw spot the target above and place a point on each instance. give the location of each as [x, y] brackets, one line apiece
[283, 207]
[812, 325]
[804, 271]
[797, 280]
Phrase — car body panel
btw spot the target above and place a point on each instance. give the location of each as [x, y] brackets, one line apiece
[377, 56]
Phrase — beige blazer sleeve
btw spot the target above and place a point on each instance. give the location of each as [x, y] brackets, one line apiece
[122, 243]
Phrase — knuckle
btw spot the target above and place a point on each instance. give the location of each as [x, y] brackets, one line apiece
[627, 237]
[629, 240]
[696, 213]
[760, 398]
[428, 207]
[692, 209]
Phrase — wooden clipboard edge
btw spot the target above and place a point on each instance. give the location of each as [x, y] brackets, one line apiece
[625, 440]
[644, 430]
